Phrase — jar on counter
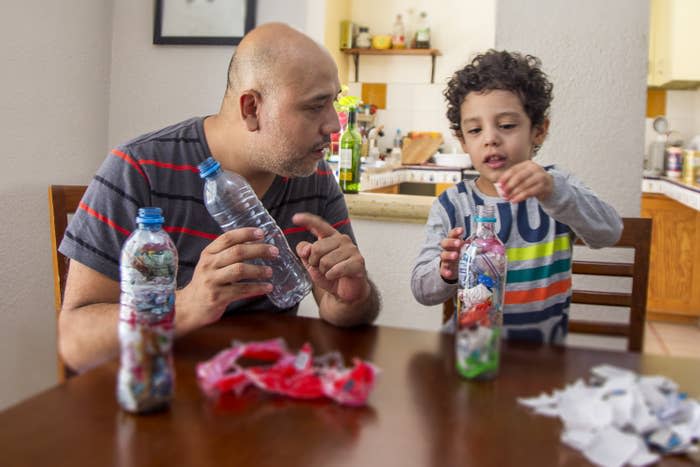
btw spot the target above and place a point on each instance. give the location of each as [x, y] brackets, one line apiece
[691, 166]
[363, 40]
[674, 161]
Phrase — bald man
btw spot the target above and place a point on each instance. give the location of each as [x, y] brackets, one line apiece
[274, 123]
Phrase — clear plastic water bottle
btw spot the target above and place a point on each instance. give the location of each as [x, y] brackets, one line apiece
[479, 316]
[148, 270]
[232, 203]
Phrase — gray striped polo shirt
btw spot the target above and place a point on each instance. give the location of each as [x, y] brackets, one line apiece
[160, 169]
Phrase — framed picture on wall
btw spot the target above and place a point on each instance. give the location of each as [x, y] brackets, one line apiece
[202, 22]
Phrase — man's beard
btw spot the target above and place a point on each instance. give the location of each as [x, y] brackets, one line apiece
[278, 159]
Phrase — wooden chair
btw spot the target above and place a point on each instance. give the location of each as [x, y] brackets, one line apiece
[63, 201]
[636, 234]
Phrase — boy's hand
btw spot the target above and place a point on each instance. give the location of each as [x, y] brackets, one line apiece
[449, 257]
[525, 180]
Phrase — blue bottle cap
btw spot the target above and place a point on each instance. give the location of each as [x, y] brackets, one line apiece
[150, 216]
[208, 167]
[486, 280]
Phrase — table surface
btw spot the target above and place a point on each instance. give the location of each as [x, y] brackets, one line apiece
[420, 413]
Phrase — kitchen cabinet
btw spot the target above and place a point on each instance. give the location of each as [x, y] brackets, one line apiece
[355, 53]
[674, 267]
[673, 59]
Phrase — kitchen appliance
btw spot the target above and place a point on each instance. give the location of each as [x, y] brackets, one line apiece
[654, 161]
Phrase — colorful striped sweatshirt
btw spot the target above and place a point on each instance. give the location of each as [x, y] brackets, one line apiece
[539, 243]
[160, 169]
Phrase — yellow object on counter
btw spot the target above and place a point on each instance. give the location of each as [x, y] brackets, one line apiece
[381, 41]
[691, 166]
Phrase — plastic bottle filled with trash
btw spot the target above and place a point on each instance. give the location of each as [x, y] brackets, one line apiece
[148, 272]
[479, 316]
[232, 203]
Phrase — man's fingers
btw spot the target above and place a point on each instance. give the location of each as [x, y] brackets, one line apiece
[235, 273]
[244, 252]
[316, 225]
[234, 237]
[347, 268]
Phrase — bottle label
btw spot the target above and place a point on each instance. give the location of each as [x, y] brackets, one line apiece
[345, 159]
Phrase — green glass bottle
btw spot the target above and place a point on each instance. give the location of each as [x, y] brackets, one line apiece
[349, 165]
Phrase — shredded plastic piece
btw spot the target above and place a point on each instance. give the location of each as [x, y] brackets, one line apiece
[300, 376]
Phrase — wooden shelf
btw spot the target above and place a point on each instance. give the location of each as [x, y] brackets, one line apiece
[432, 53]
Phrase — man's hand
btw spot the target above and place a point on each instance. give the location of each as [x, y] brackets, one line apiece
[223, 275]
[525, 180]
[449, 257]
[333, 261]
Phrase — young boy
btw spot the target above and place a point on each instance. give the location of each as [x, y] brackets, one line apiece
[498, 109]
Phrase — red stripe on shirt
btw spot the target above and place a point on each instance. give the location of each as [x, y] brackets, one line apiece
[104, 219]
[196, 233]
[292, 230]
[324, 172]
[130, 161]
[167, 165]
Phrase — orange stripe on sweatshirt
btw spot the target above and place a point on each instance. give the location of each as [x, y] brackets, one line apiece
[537, 295]
[129, 161]
[104, 219]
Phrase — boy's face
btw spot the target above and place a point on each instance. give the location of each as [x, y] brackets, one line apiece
[497, 134]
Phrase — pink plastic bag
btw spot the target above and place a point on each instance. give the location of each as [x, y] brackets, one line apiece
[299, 376]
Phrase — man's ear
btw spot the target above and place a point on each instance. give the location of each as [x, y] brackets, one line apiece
[540, 132]
[249, 105]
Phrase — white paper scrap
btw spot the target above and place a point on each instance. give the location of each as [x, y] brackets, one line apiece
[614, 421]
[611, 448]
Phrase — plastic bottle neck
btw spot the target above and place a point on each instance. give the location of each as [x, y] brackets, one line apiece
[485, 229]
[150, 227]
[485, 221]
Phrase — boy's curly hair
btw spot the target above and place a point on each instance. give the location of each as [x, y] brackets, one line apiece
[507, 71]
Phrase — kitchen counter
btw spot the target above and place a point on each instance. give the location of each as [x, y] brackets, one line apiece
[674, 267]
[373, 178]
[685, 193]
[389, 207]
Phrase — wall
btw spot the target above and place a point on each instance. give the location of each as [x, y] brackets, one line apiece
[56, 60]
[596, 55]
[81, 76]
[683, 115]
[459, 29]
[156, 85]
[389, 249]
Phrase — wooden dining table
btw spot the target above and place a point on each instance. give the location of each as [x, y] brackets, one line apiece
[420, 413]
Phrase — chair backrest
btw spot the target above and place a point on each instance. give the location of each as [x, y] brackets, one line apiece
[63, 201]
[636, 234]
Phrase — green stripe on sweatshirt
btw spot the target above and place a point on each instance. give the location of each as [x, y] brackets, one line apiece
[541, 272]
[539, 251]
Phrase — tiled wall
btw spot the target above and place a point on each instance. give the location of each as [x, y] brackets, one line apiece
[412, 107]
[683, 115]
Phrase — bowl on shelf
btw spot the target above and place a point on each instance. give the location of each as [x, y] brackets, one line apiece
[381, 41]
[462, 161]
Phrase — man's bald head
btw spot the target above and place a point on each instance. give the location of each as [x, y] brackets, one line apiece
[272, 56]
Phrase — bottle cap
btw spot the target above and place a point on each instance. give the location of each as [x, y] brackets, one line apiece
[208, 167]
[150, 215]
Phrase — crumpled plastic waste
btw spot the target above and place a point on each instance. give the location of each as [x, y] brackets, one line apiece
[295, 375]
[622, 418]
